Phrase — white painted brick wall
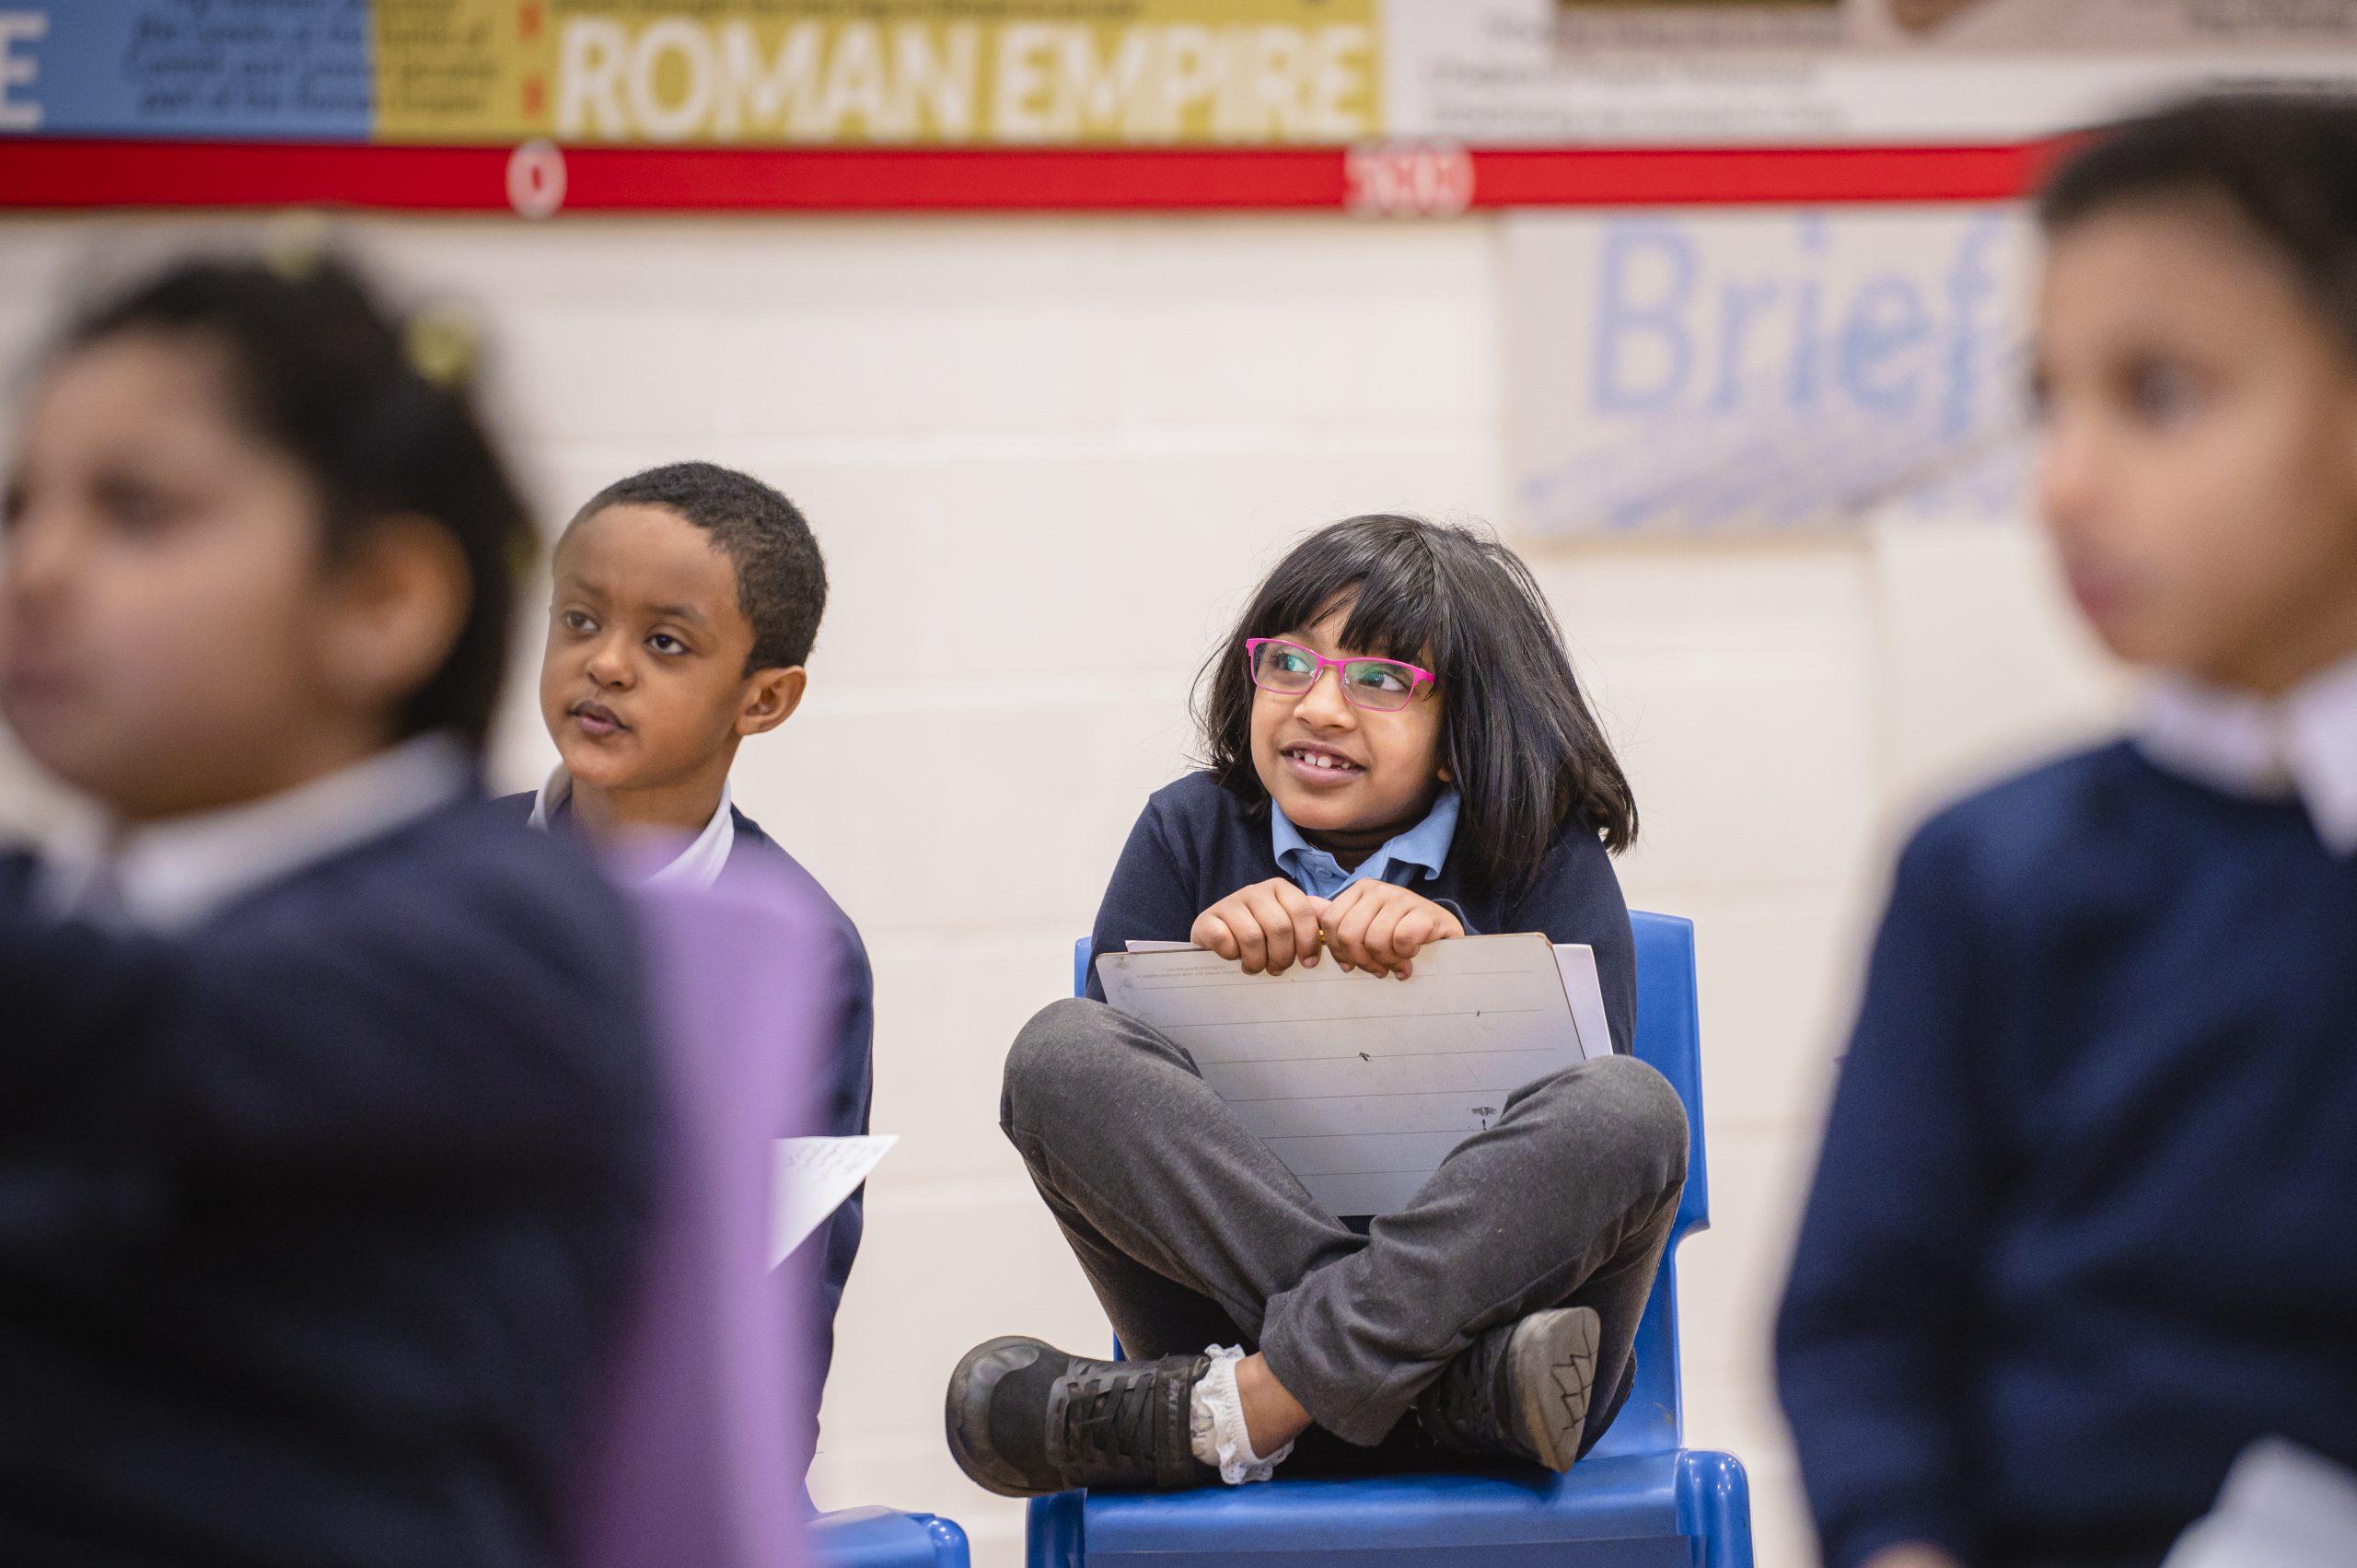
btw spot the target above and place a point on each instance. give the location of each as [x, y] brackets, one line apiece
[1046, 460]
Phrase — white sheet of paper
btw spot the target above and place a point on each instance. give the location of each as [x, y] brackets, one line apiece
[2283, 1507]
[813, 1176]
[1575, 961]
[1362, 1086]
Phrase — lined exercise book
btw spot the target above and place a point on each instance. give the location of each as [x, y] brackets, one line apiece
[1362, 1086]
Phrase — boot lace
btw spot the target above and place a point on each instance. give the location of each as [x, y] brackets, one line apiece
[1111, 1424]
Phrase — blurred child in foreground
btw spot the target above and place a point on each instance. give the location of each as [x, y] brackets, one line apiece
[2081, 1229]
[326, 1106]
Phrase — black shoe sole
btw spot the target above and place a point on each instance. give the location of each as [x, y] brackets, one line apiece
[968, 1409]
[1551, 1364]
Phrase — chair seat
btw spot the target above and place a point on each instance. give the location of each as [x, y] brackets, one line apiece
[1625, 1511]
[883, 1538]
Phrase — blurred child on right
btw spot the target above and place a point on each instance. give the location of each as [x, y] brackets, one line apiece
[2082, 1228]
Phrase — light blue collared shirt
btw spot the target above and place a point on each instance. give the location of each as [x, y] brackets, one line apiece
[1405, 857]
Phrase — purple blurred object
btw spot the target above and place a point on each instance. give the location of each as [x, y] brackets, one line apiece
[695, 1457]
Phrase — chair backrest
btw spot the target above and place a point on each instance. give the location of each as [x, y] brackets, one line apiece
[699, 1439]
[1670, 1039]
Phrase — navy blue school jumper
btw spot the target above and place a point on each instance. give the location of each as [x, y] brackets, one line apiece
[315, 1223]
[2085, 1222]
[850, 1084]
[1197, 842]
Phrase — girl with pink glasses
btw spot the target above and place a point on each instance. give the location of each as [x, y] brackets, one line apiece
[1397, 754]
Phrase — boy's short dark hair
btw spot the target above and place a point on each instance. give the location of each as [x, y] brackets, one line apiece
[781, 578]
[2285, 164]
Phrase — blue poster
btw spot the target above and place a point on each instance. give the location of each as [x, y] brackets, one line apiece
[279, 70]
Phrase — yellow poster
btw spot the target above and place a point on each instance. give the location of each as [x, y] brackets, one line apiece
[461, 69]
[879, 72]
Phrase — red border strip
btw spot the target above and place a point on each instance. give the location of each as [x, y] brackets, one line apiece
[81, 174]
[1791, 176]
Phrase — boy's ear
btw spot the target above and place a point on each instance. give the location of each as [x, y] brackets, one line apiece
[401, 590]
[770, 697]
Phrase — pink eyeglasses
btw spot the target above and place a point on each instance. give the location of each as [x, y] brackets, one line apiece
[1378, 685]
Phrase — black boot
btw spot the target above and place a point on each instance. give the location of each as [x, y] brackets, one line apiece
[1520, 1391]
[1026, 1418]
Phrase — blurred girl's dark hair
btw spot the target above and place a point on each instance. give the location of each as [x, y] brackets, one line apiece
[377, 412]
[1517, 735]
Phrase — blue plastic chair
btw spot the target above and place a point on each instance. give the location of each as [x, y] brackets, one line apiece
[1640, 1498]
[879, 1538]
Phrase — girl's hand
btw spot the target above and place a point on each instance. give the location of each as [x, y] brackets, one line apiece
[1265, 926]
[1377, 927]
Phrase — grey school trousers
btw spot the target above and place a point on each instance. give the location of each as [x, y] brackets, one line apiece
[1193, 1233]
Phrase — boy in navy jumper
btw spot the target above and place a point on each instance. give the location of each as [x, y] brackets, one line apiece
[685, 603]
[326, 1111]
[2081, 1230]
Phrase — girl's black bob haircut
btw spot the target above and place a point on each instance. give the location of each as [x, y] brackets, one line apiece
[2284, 164]
[1517, 735]
[324, 372]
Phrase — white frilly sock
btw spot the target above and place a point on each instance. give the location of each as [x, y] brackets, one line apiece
[1215, 1423]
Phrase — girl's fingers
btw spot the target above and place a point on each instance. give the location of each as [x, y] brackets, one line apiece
[1368, 925]
[1337, 909]
[1382, 930]
[1212, 933]
[1298, 925]
[1353, 929]
[1276, 927]
[1251, 948]
[1301, 911]
[1415, 929]
[1338, 928]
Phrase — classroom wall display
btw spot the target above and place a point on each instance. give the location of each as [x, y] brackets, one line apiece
[673, 72]
[1389, 106]
[1707, 373]
[1832, 72]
